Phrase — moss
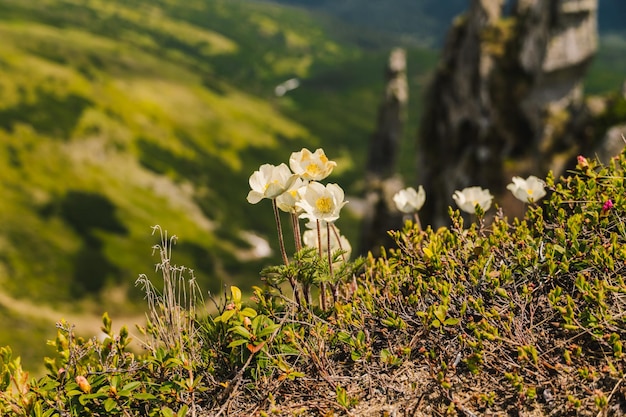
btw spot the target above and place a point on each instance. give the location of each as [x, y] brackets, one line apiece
[495, 38]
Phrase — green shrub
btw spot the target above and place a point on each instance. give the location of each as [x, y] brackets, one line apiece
[495, 316]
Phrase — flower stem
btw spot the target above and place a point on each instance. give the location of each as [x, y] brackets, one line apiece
[295, 224]
[319, 239]
[296, 231]
[336, 233]
[334, 285]
[281, 241]
[417, 221]
[283, 252]
[323, 284]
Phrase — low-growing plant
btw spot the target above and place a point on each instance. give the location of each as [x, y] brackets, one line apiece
[490, 316]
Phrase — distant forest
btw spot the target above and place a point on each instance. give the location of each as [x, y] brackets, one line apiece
[429, 20]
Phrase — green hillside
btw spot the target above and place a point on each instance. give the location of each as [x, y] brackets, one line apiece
[109, 130]
[119, 115]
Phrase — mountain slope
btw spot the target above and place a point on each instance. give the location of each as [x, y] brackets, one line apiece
[111, 123]
[115, 116]
[119, 115]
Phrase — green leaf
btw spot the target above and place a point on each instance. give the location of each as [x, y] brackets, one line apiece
[451, 322]
[106, 324]
[248, 312]
[167, 412]
[237, 342]
[49, 413]
[172, 363]
[144, 396]
[109, 404]
[295, 374]
[85, 398]
[131, 386]
[502, 292]
[37, 409]
[268, 330]
[344, 337]
[440, 313]
[241, 331]
[342, 396]
[236, 293]
[226, 315]
[116, 381]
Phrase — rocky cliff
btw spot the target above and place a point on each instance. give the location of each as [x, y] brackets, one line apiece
[380, 182]
[507, 98]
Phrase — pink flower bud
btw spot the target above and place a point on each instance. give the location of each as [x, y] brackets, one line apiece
[582, 161]
[608, 205]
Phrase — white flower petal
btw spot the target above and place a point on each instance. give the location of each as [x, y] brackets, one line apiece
[254, 197]
[470, 197]
[270, 181]
[311, 166]
[531, 189]
[408, 200]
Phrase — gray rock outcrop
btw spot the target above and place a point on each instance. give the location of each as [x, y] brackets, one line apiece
[506, 98]
[380, 214]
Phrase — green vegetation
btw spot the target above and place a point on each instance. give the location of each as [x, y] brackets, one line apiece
[427, 21]
[118, 115]
[607, 70]
[493, 317]
[105, 131]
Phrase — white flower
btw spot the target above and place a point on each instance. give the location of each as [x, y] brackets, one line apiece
[470, 197]
[309, 238]
[287, 200]
[409, 200]
[311, 166]
[527, 190]
[321, 203]
[269, 182]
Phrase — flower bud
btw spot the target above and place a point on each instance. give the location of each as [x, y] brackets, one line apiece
[83, 384]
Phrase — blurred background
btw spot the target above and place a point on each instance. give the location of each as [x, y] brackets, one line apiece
[117, 115]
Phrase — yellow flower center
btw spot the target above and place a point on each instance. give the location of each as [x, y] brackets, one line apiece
[529, 192]
[313, 169]
[324, 204]
[270, 183]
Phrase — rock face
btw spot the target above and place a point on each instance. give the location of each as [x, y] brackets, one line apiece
[383, 151]
[506, 98]
[380, 214]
